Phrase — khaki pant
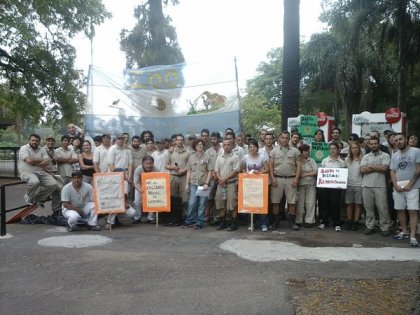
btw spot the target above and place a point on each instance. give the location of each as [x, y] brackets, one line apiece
[306, 204]
[374, 196]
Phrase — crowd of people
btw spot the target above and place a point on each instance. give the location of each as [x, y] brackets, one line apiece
[382, 185]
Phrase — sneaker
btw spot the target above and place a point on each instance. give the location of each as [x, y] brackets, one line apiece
[401, 236]
[187, 225]
[368, 232]
[338, 228]
[198, 227]
[413, 242]
[264, 228]
[28, 201]
[108, 226]
[294, 227]
[136, 221]
[321, 226]
[69, 228]
[96, 228]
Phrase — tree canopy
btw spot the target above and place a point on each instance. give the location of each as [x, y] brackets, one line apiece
[153, 40]
[37, 73]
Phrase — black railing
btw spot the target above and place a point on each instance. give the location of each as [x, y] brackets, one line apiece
[3, 206]
[9, 157]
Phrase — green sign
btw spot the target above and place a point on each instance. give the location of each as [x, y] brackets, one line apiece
[308, 125]
[319, 151]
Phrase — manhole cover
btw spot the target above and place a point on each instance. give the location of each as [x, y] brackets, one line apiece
[75, 241]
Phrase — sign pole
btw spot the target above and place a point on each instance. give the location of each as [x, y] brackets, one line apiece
[157, 219]
[252, 222]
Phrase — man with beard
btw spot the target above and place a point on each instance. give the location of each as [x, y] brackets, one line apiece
[374, 166]
[405, 171]
[33, 162]
[77, 197]
[147, 165]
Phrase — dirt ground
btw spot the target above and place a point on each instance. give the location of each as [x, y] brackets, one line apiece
[343, 296]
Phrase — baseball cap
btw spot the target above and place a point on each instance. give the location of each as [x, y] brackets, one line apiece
[76, 174]
[106, 135]
[50, 137]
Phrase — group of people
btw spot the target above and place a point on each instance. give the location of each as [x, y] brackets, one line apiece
[383, 178]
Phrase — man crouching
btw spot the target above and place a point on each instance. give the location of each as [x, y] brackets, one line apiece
[77, 198]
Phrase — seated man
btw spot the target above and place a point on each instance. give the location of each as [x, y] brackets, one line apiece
[33, 165]
[77, 197]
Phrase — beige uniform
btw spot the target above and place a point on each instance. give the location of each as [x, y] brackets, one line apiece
[284, 163]
[225, 165]
[178, 158]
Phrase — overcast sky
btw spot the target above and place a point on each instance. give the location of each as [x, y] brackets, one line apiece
[207, 30]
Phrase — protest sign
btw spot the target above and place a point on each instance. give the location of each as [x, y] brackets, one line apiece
[156, 192]
[253, 193]
[109, 193]
[319, 151]
[308, 125]
[331, 177]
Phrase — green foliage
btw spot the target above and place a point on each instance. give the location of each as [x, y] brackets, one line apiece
[153, 40]
[260, 105]
[37, 72]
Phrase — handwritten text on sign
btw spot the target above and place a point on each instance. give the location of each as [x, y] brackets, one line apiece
[109, 192]
[156, 192]
[330, 177]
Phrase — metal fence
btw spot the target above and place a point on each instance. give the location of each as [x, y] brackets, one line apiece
[9, 162]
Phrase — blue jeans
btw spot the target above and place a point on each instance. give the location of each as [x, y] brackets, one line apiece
[196, 207]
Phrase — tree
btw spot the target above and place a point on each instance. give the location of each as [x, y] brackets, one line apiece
[260, 105]
[291, 71]
[153, 40]
[37, 74]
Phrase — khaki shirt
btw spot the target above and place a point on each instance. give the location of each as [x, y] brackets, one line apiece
[213, 155]
[308, 167]
[226, 164]
[284, 160]
[65, 169]
[180, 157]
[375, 179]
[52, 166]
[27, 151]
[119, 157]
[137, 156]
[199, 168]
[100, 157]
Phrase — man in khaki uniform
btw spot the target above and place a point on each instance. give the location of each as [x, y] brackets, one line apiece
[227, 169]
[176, 164]
[285, 168]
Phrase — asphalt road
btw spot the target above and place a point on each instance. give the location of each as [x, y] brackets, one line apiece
[169, 270]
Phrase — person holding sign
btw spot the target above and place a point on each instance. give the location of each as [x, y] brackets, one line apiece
[330, 204]
[306, 188]
[227, 169]
[77, 198]
[147, 165]
[198, 178]
[256, 163]
[285, 168]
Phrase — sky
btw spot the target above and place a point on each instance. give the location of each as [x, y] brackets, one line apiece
[208, 30]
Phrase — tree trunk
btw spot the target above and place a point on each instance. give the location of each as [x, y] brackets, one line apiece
[403, 19]
[291, 57]
[157, 29]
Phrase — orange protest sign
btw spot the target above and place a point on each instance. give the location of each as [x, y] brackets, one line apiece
[253, 193]
[109, 193]
[156, 192]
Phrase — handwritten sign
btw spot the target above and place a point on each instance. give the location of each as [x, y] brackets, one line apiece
[319, 151]
[109, 194]
[156, 192]
[253, 193]
[330, 177]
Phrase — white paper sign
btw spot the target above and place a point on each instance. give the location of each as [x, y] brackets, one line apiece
[330, 177]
